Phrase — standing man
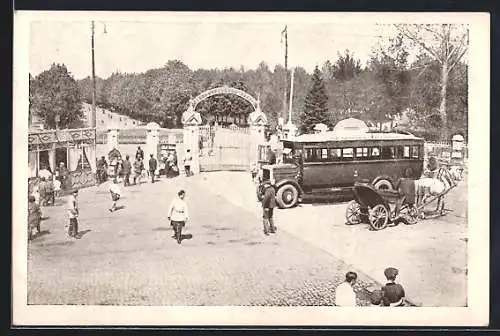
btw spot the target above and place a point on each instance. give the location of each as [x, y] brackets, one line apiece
[137, 169]
[139, 154]
[34, 217]
[152, 167]
[126, 169]
[73, 213]
[187, 162]
[344, 293]
[178, 215]
[268, 204]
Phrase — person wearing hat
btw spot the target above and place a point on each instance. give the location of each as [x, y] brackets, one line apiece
[432, 168]
[178, 215]
[72, 228]
[393, 294]
[268, 204]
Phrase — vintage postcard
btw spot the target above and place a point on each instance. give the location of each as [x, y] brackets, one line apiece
[292, 169]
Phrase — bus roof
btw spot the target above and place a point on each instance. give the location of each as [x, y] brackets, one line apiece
[351, 136]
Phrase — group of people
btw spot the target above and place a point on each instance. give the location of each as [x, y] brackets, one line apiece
[44, 193]
[392, 294]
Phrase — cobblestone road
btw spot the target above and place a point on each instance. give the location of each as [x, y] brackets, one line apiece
[128, 257]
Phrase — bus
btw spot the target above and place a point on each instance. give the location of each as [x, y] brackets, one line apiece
[329, 163]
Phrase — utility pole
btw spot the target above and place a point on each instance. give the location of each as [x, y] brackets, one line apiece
[94, 121]
[285, 31]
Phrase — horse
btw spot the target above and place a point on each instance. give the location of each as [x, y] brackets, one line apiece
[427, 187]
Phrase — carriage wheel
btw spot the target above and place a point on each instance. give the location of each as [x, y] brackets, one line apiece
[379, 217]
[411, 217]
[353, 213]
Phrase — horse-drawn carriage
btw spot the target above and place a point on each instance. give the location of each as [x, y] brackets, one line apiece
[379, 208]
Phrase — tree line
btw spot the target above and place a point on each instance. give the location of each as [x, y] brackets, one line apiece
[388, 85]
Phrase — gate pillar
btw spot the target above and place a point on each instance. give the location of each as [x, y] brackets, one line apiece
[191, 120]
[152, 140]
[112, 140]
[258, 122]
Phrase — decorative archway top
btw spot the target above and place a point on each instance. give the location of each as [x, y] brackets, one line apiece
[223, 90]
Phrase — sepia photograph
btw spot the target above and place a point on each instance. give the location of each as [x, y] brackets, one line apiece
[251, 168]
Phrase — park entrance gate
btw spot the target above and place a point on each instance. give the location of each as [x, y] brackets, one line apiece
[224, 148]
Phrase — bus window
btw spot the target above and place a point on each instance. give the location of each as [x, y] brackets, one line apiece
[335, 153]
[317, 154]
[362, 152]
[399, 152]
[387, 152]
[308, 154]
[414, 152]
[375, 152]
[324, 154]
[406, 153]
[347, 153]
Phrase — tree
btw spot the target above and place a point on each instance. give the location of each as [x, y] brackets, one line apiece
[446, 44]
[315, 104]
[54, 93]
[346, 66]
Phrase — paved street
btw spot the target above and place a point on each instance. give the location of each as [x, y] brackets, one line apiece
[431, 255]
[128, 257]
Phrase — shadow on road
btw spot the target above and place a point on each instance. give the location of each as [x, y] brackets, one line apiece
[82, 233]
[186, 236]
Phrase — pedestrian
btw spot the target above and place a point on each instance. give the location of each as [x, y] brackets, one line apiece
[138, 166]
[140, 153]
[178, 215]
[34, 217]
[152, 168]
[102, 168]
[126, 169]
[73, 212]
[188, 158]
[393, 294]
[344, 293]
[42, 191]
[115, 195]
[268, 204]
[57, 188]
[49, 192]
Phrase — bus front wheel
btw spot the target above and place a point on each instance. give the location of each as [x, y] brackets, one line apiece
[383, 184]
[287, 196]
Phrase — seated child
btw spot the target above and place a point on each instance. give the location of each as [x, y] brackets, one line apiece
[393, 294]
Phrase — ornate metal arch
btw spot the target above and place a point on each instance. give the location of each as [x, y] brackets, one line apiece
[224, 90]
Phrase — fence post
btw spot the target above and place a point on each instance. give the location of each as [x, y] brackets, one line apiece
[191, 120]
[258, 122]
[112, 140]
[152, 140]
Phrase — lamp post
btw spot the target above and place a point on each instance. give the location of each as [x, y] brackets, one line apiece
[94, 120]
[92, 28]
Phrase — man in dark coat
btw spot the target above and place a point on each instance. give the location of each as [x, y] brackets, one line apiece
[126, 169]
[140, 153]
[152, 167]
[268, 204]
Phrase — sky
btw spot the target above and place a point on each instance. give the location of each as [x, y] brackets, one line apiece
[136, 43]
[139, 46]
